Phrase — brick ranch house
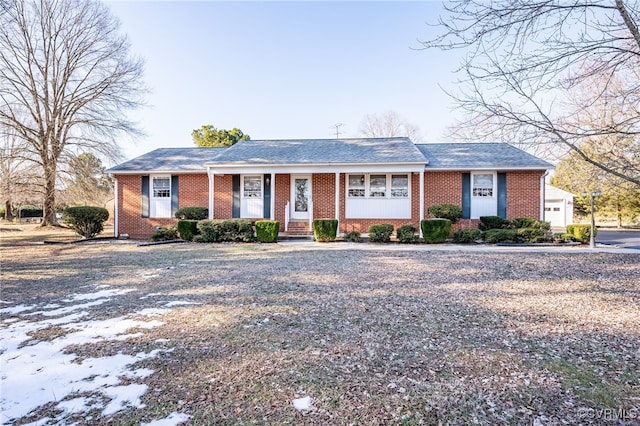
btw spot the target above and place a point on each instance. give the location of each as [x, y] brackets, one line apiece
[360, 182]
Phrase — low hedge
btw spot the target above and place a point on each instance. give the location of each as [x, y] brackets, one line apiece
[165, 233]
[435, 230]
[380, 233]
[407, 234]
[353, 237]
[87, 221]
[467, 235]
[267, 231]
[37, 212]
[446, 211]
[494, 222]
[325, 230]
[187, 229]
[532, 235]
[192, 213]
[230, 230]
[581, 232]
[493, 236]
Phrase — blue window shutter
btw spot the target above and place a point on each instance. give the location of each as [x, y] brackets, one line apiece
[174, 195]
[235, 187]
[266, 196]
[466, 195]
[502, 195]
[145, 196]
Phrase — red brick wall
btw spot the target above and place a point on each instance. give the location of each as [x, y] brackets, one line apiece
[193, 192]
[223, 199]
[323, 189]
[523, 194]
[282, 195]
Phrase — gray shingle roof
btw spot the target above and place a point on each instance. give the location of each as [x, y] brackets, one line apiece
[170, 160]
[455, 156]
[322, 151]
[469, 156]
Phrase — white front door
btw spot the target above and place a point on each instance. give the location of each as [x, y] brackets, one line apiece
[484, 197]
[300, 196]
[251, 200]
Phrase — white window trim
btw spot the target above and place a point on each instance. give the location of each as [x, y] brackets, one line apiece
[152, 197]
[494, 183]
[388, 180]
[260, 179]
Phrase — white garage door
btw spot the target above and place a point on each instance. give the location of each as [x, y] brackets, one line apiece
[554, 212]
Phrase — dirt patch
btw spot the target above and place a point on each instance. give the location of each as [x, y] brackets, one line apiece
[371, 336]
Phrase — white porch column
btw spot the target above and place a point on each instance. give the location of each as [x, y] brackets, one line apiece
[542, 195]
[272, 208]
[337, 190]
[115, 207]
[211, 193]
[421, 201]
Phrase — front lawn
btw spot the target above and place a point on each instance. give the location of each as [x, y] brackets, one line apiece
[303, 333]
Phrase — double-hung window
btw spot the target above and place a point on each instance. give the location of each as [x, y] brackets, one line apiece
[483, 185]
[378, 185]
[252, 187]
[161, 187]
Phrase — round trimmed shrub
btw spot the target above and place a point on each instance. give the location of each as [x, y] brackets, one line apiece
[407, 234]
[380, 233]
[87, 221]
[267, 231]
[493, 236]
[467, 235]
[581, 232]
[435, 230]
[446, 211]
[325, 230]
[165, 233]
[187, 229]
[192, 213]
[494, 222]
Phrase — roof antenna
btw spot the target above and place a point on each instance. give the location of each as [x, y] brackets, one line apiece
[337, 126]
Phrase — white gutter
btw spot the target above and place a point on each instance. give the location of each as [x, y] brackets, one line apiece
[211, 194]
[542, 195]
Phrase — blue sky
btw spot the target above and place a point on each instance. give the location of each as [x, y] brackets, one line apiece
[285, 69]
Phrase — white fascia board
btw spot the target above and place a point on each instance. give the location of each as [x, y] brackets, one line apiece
[481, 169]
[159, 172]
[317, 168]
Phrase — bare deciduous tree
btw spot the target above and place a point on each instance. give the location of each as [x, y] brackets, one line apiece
[388, 124]
[527, 67]
[66, 82]
[19, 175]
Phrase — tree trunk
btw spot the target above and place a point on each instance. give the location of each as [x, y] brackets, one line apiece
[8, 210]
[49, 204]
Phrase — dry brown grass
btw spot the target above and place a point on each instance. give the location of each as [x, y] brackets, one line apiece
[373, 336]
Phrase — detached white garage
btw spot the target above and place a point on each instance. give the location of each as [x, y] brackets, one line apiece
[558, 206]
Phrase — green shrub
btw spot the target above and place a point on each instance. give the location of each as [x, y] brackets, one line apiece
[493, 236]
[446, 211]
[380, 233]
[353, 237]
[165, 233]
[581, 233]
[192, 213]
[435, 230]
[267, 230]
[87, 221]
[230, 230]
[187, 229]
[37, 212]
[564, 238]
[407, 234]
[528, 222]
[494, 222]
[467, 235]
[532, 235]
[325, 230]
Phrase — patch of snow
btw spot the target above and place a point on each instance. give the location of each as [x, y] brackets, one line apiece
[172, 419]
[149, 312]
[162, 340]
[98, 294]
[305, 403]
[180, 303]
[151, 295]
[67, 309]
[35, 373]
[16, 309]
